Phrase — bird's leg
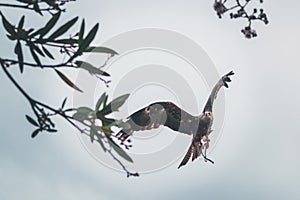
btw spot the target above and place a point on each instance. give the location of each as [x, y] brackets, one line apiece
[203, 140]
[204, 145]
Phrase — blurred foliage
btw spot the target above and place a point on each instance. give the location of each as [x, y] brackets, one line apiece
[42, 44]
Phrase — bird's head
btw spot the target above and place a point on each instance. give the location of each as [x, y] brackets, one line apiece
[206, 116]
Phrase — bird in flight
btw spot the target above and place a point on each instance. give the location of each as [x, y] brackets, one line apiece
[170, 115]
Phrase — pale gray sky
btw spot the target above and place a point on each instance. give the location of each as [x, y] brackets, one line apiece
[257, 156]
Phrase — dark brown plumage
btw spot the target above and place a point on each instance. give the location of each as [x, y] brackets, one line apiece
[170, 115]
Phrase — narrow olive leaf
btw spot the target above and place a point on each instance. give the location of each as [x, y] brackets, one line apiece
[119, 150]
[64, 28]
[89, 38]
[29, 30]
[81, 32]
[101, 50]
[100, 101]
[84, 44]
[36, 8]
[18, 51]
[106, 130]
[25, 1]
[90, 68]
[51, 130]
[35, 57]
[38, 50]
[67, 80]
[83, 113]
[119, 101]
[35, 133]
[64, 103]
[93, 132]
[12, 37]
[8, 27]
[85, 110]
[50, 2]
[105, 100]
[108, 122]
[47, 53]
[114, 105]
[67, 41]
[49, 25]
[123, 125]
[21, 22]
[31, 121]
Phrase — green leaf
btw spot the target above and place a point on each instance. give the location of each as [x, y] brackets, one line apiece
[37, 49]
[29, 30]
[93, 132]
[31, 121]
[12, 37]
[105, 100]
[21, 22]
[35, 57]
[89, 38]
[83, 113]
[67, 80]
[119, 150]
[51, 130]
[47, 53]
[8, 27]
[90, 68]
[85, 110]
[50, 24]
[18, 51]
[100, 101]
[64, 28]
[101, 50]
[67, 41]
[112, 122]
[114, 105]
[108, 122]
[35, 133]
[25, 1]
[50, 2]
[81, 32]
[123, 125]
[64, 102]
[36, 8]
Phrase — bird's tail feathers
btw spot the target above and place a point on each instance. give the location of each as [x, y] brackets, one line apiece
[187, 156]
[196, 153]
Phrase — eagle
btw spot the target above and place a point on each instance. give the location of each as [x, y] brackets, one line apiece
[170, 115]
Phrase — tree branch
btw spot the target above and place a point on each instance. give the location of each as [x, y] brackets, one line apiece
[35, 107]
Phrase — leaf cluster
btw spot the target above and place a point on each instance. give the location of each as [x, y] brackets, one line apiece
[102, 133]
[43, 44]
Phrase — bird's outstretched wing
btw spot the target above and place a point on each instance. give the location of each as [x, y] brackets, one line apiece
[157, 114]
[213, 95]
[195, 150]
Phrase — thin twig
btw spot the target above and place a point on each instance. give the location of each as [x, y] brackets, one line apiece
[122, 165]
[25, 7]
[65, 64]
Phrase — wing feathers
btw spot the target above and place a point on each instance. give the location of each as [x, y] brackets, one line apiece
[160, 113]
[213, 95]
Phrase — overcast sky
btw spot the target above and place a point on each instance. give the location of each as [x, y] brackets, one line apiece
[257, 153]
